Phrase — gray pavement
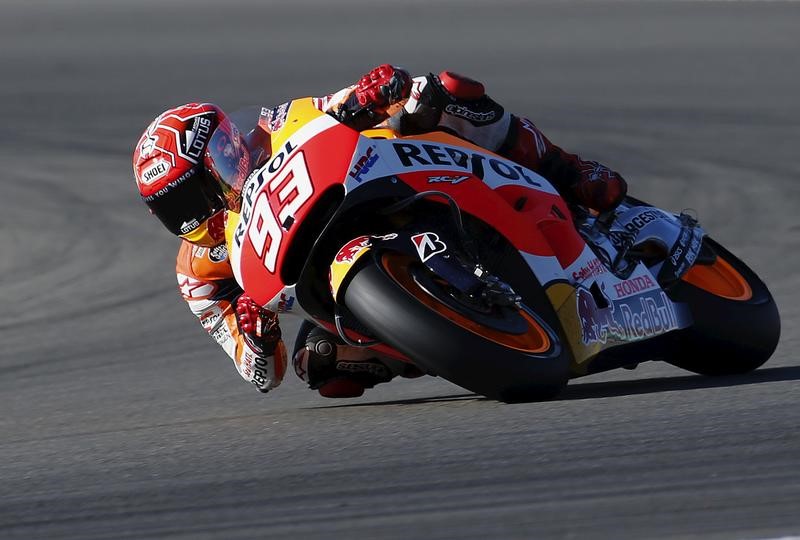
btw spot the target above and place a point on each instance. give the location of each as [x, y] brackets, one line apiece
[122, 419]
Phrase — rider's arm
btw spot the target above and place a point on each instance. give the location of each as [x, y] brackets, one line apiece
[460, 105]
[447, 102]
[374, 98]
[249, 334]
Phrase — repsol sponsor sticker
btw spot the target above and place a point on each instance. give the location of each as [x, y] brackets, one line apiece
[210, 318]
[413, 154]
[261, 371]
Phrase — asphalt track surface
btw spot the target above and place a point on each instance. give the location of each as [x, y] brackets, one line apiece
[120, 418]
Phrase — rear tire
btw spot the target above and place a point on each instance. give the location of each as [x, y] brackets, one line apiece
[424, 327]
[733, 332]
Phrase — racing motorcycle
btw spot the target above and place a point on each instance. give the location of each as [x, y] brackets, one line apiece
[435, 251]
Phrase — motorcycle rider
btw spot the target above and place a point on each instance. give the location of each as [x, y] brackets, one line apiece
[191, 162]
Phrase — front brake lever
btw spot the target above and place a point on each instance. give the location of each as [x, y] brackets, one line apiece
[605, 220]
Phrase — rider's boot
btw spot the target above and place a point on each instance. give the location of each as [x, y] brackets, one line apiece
[337, 370]
[583, 182]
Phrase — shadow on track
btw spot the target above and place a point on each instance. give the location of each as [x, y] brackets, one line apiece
[413, 401]
[616, 388]
[670, 384]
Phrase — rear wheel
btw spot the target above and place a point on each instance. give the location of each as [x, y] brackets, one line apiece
[506, 353]
[736, 323]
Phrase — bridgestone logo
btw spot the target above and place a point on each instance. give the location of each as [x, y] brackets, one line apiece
[642, 219]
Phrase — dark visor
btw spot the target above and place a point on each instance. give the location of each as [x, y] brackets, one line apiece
[228, 158]
[186, 206]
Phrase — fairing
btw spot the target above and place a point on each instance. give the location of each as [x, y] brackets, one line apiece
[313, 154]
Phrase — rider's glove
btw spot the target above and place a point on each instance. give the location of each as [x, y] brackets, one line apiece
[263, 360]
[382, 87]
[259, 326]
[599, 187]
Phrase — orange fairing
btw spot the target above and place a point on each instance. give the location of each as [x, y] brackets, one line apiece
[720, 279]
[534, 340]
[534, 221]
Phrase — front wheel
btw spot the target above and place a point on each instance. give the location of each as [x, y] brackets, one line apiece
[736, 323]
[508, 353]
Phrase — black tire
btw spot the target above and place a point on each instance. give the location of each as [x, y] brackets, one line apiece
[444, 348]
[728, 336]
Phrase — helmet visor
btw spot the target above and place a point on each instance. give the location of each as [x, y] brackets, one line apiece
[186, 206]
[227, 159]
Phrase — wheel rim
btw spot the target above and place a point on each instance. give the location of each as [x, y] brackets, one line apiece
[534, 340]
[720, 279]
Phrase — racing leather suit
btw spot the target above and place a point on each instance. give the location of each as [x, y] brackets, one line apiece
[206, 282]
[446, 102]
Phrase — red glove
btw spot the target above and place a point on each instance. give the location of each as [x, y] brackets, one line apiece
[258, 325]
[382, 87]
[599, 187]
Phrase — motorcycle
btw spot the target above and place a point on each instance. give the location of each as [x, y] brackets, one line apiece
[435, 251]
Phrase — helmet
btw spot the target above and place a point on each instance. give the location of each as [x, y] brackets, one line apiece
[190, 165]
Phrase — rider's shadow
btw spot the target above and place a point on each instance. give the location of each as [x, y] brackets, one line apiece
[595, 390]
[411, 401]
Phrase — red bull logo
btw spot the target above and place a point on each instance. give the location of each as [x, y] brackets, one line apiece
[642, 317]
[597, 324]
[349, 251]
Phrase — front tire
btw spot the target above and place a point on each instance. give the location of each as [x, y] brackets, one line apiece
[736, 322]
[445, 340]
